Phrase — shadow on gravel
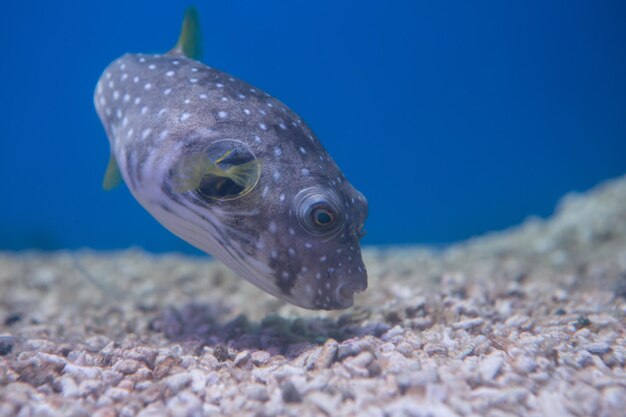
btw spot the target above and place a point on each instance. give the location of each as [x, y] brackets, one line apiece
[196, 326]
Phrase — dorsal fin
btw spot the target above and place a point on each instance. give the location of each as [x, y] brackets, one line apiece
[189, 42]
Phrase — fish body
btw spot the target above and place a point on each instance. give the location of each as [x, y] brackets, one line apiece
[236, 173]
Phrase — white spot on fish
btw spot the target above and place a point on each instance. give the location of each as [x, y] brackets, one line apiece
[222, 114]
[116, 95]
[257, 139]
[135, 79]
[203, 96]
[278, 151]
[263, 126]
[152, 66]
[281, 198]
[272, 227]
[144, 110]
[302, 150]
[126, 97]
[184, 117]
[137, 100]
[323, 258]
[167, 91]
[193, 80]
[147, 86]
[246, 111]
[169, 73]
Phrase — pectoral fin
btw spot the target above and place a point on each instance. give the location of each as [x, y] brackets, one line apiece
[112, 176]
[198, 172]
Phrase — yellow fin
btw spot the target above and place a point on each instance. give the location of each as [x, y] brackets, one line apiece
[190, 170]
[189, 42]
[245, 175]
[194, 171]
[112, 176]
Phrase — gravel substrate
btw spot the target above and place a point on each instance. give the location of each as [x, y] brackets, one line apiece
[527, 322]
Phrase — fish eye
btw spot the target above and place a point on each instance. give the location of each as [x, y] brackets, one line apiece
[318, 211]
[323, 216]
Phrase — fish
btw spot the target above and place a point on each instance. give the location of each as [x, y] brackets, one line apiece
[234, 172]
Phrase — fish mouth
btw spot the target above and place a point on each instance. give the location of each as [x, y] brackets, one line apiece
[344, 294]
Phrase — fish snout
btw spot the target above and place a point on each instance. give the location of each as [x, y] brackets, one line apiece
[345, 291]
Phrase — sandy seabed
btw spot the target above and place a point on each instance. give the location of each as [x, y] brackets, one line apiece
[525, 322]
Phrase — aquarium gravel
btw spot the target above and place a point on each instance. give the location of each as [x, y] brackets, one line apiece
[525, 322]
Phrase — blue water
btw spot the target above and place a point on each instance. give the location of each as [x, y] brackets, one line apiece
[453, 119]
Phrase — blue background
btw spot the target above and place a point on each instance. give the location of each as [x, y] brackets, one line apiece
[453, 118]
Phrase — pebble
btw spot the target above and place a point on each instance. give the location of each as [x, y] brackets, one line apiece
[328, 354]
[405, 348]
[435, 349]
[260, 357]
[352, 348]
[490, 366]
[468, 324]
[178, 381]
[242, 358]
[127, 366]
[392, 333]
[290, 393]
[82, 372]
[105, 412]
[68, 387]
[117, 394]
[583, 358]
[256, 392]
[598, 348]
[6, 345]
[615, 397]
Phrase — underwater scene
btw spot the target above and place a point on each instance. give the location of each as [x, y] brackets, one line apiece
[313, 208]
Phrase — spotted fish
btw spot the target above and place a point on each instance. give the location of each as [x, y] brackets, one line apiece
[234, 172]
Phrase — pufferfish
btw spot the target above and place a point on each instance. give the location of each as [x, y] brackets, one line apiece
[234, 172]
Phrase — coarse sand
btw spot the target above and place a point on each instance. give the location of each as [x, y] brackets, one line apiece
[525, 322]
